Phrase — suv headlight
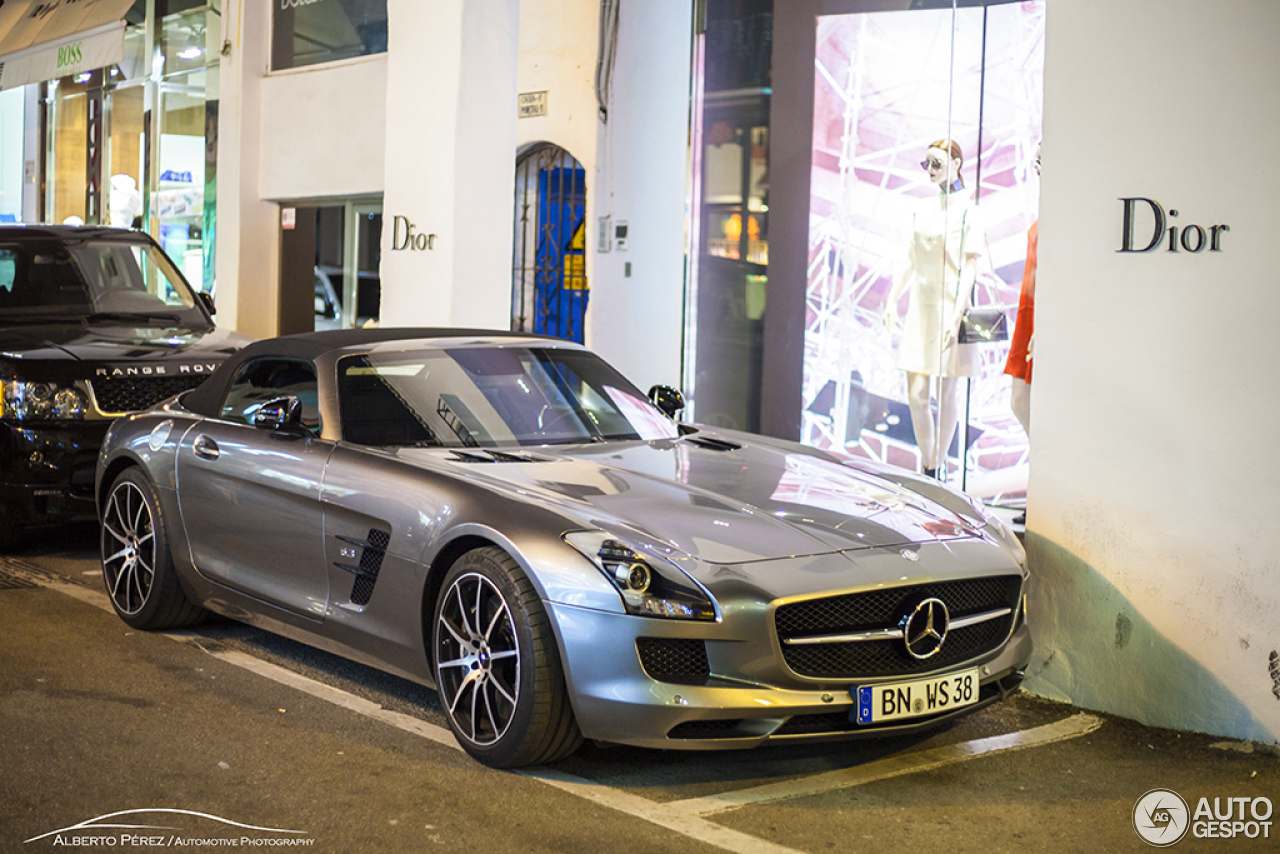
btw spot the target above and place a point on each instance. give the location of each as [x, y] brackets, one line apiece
[649, 586]
[40, 401]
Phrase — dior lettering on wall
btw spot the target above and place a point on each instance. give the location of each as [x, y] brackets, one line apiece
[293, 4]
[404, 235]
[1188, 238]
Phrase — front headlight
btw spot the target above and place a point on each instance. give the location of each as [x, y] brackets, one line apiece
[649, 586]
[40, 401]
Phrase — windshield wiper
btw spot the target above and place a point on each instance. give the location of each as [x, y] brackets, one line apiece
[131, 317]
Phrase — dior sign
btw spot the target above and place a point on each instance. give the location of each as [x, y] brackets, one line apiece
[1188, 238]
[404, 235]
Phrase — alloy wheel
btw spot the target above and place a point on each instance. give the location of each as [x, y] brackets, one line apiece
[129, 553]
[478, 659]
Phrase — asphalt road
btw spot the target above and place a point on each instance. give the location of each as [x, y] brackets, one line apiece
[225, 737]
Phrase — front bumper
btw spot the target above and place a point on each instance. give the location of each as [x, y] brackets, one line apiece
[47, 471]
[615, 700]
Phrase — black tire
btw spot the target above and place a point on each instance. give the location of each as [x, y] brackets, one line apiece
[498, 672]
[11, 535]
[136, 563]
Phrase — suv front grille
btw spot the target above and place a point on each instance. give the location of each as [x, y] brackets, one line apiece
[884, 609]
[131, 394]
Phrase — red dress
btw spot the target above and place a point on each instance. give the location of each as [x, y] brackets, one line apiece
[1017, 364]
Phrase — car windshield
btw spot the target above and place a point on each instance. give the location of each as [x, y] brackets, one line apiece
[72, 278]
[491, 397]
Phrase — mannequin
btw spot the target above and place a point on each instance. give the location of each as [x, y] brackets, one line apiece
[1022, 345]
[937, 275]
[125, 202]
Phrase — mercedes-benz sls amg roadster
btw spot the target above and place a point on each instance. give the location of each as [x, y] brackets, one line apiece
[507, 519]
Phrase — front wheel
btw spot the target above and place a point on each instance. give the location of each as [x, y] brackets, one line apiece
[136, 563]
[497, 668]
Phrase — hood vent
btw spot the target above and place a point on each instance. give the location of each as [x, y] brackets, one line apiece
[486, 456]
[712, 443]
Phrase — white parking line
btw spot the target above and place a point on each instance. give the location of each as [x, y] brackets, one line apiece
[893, 766]
[685, 817]
[660, 814]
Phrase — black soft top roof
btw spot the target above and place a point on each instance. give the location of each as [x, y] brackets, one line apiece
[308, 346]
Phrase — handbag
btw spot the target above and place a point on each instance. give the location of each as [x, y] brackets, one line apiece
[984, 325]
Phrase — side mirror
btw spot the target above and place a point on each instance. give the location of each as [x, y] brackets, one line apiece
[666, 398]
[206, 299]
[280, 413]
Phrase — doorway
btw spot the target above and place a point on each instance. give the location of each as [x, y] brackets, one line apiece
[549, 290]
[329, 259]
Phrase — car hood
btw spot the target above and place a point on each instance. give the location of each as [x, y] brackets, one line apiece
[111, 342]
[749, 501]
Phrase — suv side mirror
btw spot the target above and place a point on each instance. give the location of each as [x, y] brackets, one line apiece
[667, 398]
[206, 299]
[280, 413]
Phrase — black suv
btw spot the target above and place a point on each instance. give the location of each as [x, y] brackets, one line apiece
[95, 323]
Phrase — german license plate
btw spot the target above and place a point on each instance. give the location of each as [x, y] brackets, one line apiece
[922, 697]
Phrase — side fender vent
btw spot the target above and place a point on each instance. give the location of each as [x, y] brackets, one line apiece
[372, 550]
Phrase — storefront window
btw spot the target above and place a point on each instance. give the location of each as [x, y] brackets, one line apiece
[178, 203]
[126, 123]
[923, 189]
[12, 110]
[308, 33]
[66, 163]
[133, 145]
[179, 180]
[729, 267]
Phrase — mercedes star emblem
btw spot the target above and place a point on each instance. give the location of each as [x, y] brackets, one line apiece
[925, 628]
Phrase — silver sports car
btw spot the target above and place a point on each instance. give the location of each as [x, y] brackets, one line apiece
[506, 518]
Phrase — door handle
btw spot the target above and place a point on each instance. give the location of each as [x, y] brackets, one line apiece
[205, 448]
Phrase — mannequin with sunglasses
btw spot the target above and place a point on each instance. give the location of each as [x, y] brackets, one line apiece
[937, 275]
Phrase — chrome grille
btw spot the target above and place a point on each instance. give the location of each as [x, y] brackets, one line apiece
[132, 394]
[883, 609]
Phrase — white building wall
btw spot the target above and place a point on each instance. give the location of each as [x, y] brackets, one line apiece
[557, 55]
[324, 130]
[1153, 494]
[311, 133]
[248, 250]
[432, 126]
[635, 318]
[450, 162]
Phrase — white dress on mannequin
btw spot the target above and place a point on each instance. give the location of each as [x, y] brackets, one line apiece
[932, 282]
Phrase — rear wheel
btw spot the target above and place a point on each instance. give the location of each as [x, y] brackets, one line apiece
[499, 673]
[136, 563]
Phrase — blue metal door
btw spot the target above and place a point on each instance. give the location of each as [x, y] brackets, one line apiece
[550, 290]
